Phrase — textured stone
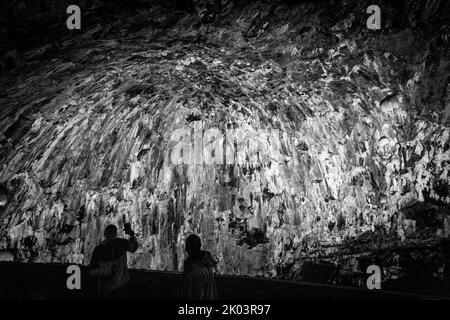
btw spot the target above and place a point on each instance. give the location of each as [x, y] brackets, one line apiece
[353, 169]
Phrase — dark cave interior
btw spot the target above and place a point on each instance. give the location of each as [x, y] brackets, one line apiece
[344, 161]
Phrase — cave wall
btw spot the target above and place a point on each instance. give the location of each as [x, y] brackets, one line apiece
[342, 153]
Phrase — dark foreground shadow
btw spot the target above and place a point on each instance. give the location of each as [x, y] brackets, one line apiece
[48, 281]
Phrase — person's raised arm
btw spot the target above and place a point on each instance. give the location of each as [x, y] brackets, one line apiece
[133, 241]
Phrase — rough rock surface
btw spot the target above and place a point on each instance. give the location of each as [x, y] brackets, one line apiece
[342, 137]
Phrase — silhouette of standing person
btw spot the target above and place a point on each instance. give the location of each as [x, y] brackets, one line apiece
[109, 263]
[198, 277]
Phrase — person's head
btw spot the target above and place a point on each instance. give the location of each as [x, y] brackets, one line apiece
[110, 232]
[193, 245]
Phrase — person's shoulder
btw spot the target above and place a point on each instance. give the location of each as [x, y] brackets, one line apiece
[98, 250]
[99, 247]
[207, 259]
[122, 243]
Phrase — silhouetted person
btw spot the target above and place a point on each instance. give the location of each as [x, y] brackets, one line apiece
[109, 263]
[198, 276]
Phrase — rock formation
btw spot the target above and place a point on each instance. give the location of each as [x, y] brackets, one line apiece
[309, 142]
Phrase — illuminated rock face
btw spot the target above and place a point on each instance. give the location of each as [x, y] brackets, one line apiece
[309, 139]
